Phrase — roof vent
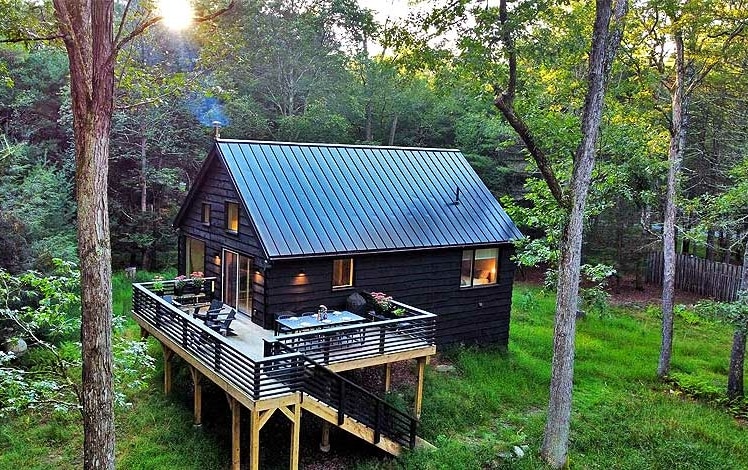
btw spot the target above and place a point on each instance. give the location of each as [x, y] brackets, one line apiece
[216, 129]
[456, 202]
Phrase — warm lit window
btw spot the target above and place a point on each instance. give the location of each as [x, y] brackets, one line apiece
[232, 217]
[342, 273]
[205, 217]
[479, 267]
[194, 255]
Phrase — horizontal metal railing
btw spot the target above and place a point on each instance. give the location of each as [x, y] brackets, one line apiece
[269, 377]
[415, 329]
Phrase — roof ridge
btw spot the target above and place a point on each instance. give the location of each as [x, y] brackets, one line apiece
[322, 144]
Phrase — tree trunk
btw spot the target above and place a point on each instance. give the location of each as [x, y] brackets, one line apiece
[88, 36]
[368, 126]
[737, 359]
[710, 244]
[668, 237]
[393, 129]
[143, 169]
[556, 434]
[737, 355]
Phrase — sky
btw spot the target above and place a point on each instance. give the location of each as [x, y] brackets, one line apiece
[394, 9]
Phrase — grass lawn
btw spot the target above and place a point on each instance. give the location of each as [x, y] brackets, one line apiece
[623, 417]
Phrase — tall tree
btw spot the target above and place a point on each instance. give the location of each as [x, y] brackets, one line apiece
[605, 42]
[87, 30]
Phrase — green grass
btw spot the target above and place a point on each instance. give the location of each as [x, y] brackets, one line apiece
[623, 417]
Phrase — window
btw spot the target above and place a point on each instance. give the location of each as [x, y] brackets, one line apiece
[205, 216]
[232, 217]
[479, 267]
[194, 255]
[342, 273]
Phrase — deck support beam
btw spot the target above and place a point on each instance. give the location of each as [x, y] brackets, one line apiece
[254, 440]
[168, 355]
[144, 334]
[198, 396]
[387, 377]
[324, 443]
[419, 386]
[295, 434]
[236, 428]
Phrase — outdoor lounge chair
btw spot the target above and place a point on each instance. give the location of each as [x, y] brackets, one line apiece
[221, 325]
[213, 310]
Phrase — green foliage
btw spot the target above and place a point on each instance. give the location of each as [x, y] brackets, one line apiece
[44, 311]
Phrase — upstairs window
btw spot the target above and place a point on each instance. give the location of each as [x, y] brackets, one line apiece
[479, 267]
[232, 217]
[205, 215]
[342, 273]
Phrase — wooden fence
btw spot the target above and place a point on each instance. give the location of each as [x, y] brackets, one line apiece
[720, 281]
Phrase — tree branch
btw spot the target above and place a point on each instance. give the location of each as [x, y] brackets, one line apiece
[504, 101]
[51, 37]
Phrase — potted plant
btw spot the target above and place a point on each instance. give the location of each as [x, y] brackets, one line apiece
[158, 285]
[198, 280]
[179, 284]
[383, 305]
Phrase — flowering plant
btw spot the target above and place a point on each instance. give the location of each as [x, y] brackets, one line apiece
[197, 278]
[180, 282]
[382, 301]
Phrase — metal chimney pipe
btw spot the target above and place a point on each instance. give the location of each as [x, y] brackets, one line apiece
[216, 130]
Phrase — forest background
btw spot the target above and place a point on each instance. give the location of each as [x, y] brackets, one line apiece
[306, 73]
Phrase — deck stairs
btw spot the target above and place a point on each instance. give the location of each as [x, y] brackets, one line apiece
[350, 407]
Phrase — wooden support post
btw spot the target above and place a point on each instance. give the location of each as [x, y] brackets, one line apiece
[254, 441]
[419, 387]
[387, 377]
[324, 444]
[168, 355]
[198, 396]
[295, 434]
[144, 333]
[236, 428]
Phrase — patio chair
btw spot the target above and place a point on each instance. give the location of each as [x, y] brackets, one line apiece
[278, 327]
[309, 314]
[222, 325]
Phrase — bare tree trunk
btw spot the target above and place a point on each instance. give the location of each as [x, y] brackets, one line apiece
[369, 115]
[393, 129]
[737, 360]
[88, 36]
[737, 355]
[143, 169]
[668, 236]
[710, 244]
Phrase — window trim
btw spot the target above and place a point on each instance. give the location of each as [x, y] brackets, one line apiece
[472, 267]
[206, 213]
[350, 276]
[226, 217]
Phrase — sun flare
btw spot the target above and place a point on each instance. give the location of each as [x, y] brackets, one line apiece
[176, 14]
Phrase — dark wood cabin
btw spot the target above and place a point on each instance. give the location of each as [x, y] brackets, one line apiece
[286, 226]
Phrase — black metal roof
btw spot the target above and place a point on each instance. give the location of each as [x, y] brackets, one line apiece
[320, 199]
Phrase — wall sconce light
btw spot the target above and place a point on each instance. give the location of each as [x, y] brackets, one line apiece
[217, 259]
[301, 272]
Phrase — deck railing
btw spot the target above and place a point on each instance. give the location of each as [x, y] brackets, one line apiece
[269, 377]
[353, 401]
[415, 329]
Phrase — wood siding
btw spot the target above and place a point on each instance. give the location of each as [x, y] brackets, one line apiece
[426, 279]
[216, 188]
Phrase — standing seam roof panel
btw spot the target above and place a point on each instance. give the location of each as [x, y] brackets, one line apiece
[317, 199]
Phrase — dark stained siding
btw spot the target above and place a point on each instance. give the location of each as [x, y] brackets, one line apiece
[425, 279]
[216, 188]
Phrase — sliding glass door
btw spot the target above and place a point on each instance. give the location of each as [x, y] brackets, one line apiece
[237, 281]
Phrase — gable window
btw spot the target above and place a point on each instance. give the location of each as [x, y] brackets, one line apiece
[342, 273]
[205, 215]
[479, 267]
[232, 217]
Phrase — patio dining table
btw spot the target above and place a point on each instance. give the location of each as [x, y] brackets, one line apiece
[334, 318]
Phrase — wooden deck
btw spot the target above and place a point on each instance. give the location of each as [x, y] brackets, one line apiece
[264, 373]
